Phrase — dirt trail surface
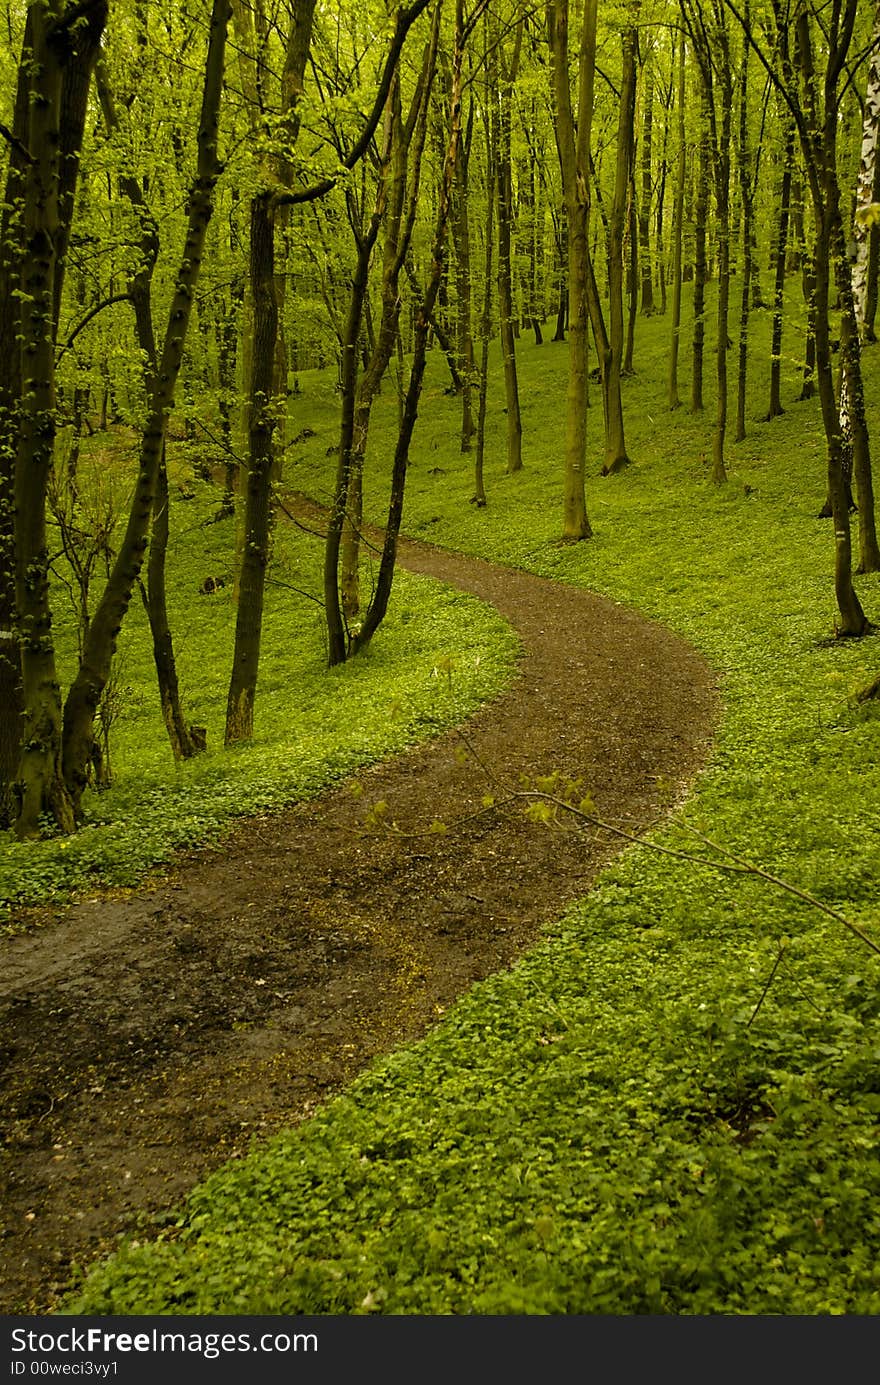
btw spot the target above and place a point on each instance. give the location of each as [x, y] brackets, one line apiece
[146, 1039]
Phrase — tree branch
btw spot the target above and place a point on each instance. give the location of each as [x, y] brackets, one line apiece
[93, 312]
[285, 197]
[16, 144]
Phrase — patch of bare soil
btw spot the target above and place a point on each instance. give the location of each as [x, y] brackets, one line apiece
[146, 1039]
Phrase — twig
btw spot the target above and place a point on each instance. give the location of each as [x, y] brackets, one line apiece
[16, 144]
[767, 984]
[733, 864]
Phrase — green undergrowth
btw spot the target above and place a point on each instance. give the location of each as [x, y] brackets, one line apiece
[440, 655]
[631, 1120]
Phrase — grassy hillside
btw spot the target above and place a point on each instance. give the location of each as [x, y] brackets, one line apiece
[671, 1105]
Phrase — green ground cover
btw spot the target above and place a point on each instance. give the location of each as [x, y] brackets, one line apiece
[442, 654]
[617, 1124]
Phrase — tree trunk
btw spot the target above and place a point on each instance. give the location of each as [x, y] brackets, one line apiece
[48, 122]
[398, 205]
[818, 136]
[40, 783]
[100, 645]
[562, 307]
[632, 274]
[11, 696]
[615, 444]
[747, 200]
[781, 256]
[701, 217]
[255, 554]
[479, 495]
[461, 236]
[379, 605]
[873, 271]
[573, 144]
[506, 313]
[852, 617]
[647, 191]
[867, 179]
[183, 745]
[852, 288]
[180, 736]
[678, 231]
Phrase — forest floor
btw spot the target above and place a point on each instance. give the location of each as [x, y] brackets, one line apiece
[148, 1037]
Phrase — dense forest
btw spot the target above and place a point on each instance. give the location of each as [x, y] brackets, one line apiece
[299, 306]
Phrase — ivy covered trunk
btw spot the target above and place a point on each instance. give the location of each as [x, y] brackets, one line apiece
[11, 699]
[40, 786]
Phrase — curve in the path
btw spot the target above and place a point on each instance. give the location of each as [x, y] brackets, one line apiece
[144, 1040]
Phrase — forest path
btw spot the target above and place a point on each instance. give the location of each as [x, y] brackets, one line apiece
[146, 1039]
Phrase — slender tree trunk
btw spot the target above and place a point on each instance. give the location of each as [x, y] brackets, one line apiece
[852, 618]
[722, 203]
[461, 236]
[867, 179]
[701, 217]
[40, 783]
[255, 555]
[632, 275]
[398, 205]
[573, 144]
[11, 696]
[615, 443]
[854, 425]
[506, 312]
[808, 283]
[747, 201]
[479, 496]
[852, 288]
[873, 271]
[87, 687]
[436, 325]
[781, 256]
[184, 743]
[678, 231]
[562, 308]
[818, 135]
[378, 606]
[263, 382]
[647, 190]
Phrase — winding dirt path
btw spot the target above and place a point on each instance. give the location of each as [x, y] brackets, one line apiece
[145, 1039]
